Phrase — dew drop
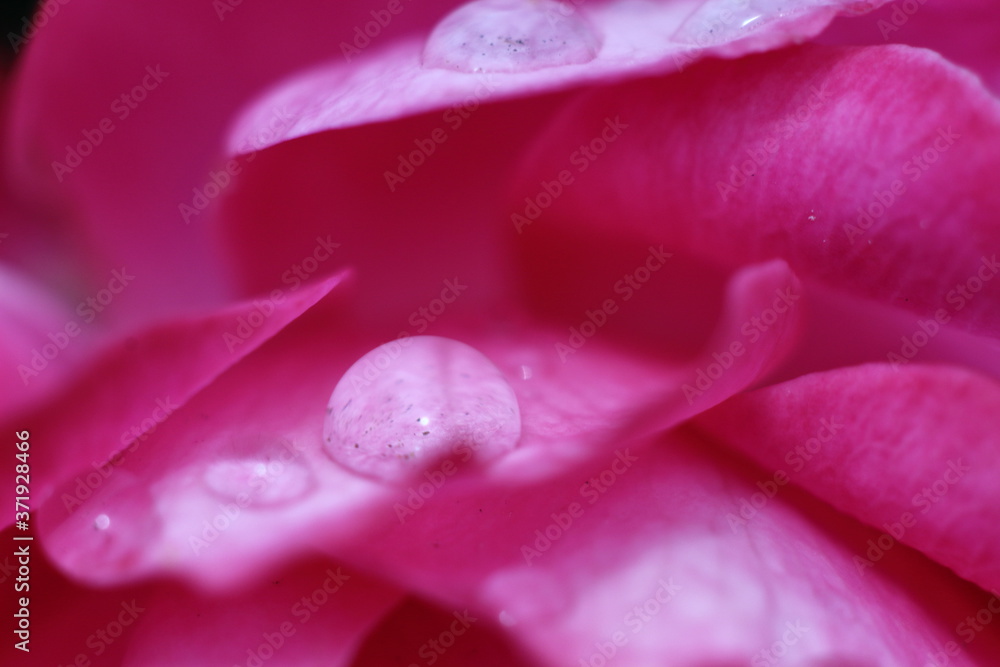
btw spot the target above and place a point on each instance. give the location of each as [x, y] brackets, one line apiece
[267, 471]
[411, 405]
[109, 534]
[720, 21]
[511, 36]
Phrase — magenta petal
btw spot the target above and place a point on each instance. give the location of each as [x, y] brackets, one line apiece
[314, 614]
[498, 49]
[417, 632]
[138, 122]
[64, 618]
[869, 169]
[912, 452]
[646, 545]
[404, 240]
[969, 41]
[140, 381]
[41, 342]
[246, 458]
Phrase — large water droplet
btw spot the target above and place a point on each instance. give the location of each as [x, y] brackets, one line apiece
[271, 476]
[418, 403]
[511, 36]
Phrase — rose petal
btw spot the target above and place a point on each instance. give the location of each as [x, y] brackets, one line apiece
[245, 459]
[603, 41]
[68, 624]
[403, 237]
[911, 451]
[823, 134]
[35, 348]
[969, 40]
[844, 330]
[138, 383]
[417, 632]
[314, 614]
[167, 98]
[648, 546]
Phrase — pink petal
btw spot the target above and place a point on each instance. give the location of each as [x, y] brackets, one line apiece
[563, 568]
[314, 614]
[68, 623]
[498, 49]
[844, 330]
[418, 633]
[969, 41]
[132, 389]
[823, 134]
[910, 450]
[440, 224]
[244, 459]
[39, 344]
[123, 201]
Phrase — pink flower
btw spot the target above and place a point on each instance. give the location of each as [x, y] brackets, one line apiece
[517, 333]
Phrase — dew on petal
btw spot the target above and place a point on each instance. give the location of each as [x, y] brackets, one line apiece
[511, 36]
[108, 531]
[721, 21]
[263, 477]
[419, 403]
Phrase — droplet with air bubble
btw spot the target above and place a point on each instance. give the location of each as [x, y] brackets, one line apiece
[417, 404]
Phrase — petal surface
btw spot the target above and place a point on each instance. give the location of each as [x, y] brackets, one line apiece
[866, 169]
[245, 458]
[912, 451]
[314, 614]
[138, 383]
[645, 557]
[498, 48]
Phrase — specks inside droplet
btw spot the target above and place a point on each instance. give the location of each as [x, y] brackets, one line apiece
[511, 36]
[414, 404]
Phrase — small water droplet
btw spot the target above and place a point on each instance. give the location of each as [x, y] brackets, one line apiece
[506, 619]
[109, 535]
[466, 410]
[720, 21]
[511, 36]
[270, 472]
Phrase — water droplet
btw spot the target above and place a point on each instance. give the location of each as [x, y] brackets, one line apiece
[511, 36]
[268, 471]
[720, 21]
[506, 619]
[410, 405]
[108, 535]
